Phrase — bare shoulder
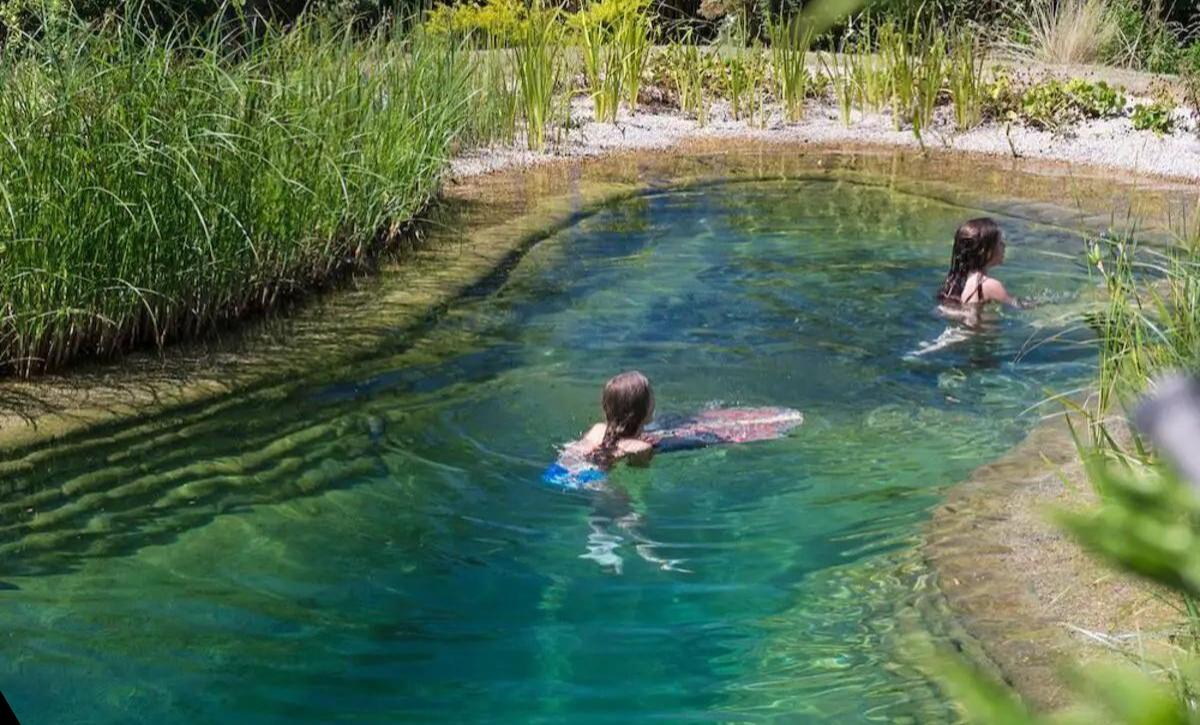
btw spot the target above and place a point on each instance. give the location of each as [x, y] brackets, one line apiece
[595, 434]
[587, 442]
[993, 290]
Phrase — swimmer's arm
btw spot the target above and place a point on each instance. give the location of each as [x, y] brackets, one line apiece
[590, 440]
[993, 291]
[636, 452]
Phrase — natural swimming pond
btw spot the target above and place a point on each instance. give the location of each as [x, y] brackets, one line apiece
[373, 542]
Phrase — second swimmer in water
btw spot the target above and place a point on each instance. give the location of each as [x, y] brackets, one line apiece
[978, 248]
[628, 404]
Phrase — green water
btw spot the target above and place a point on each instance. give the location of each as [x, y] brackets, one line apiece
[373, 543]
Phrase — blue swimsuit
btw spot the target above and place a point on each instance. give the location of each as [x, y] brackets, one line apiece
[559, 476]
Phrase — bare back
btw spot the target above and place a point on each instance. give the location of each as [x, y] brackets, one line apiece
[980, 288]
[635, 450]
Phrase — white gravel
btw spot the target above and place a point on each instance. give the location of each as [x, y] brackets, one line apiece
[1108, 143]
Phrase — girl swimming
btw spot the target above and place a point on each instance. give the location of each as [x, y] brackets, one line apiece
[978, 247]
[628, 404]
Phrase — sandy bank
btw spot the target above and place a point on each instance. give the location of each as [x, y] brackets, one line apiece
[1038, 604]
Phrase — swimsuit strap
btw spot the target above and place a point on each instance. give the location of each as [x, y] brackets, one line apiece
[978, 289]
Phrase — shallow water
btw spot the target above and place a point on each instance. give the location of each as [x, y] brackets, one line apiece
[373, 542]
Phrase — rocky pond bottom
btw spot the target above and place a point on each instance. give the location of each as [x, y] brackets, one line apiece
[372, 542]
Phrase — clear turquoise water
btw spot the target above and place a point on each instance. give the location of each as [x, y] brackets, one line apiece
[373, 543]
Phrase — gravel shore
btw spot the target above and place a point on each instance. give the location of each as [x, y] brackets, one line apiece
[1104, 143]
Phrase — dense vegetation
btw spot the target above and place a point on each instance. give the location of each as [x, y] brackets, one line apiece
[155, 183]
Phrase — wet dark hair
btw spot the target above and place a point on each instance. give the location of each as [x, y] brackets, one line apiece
[975, 244]
[627, 401]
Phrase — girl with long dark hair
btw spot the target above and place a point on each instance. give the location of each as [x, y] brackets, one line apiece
[978, 247]
[628, 404]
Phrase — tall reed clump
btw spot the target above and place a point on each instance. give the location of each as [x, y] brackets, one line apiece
[614, 39]
[1151, 321]
[790, 41]
[154, 185]
[632, 39]
[872, 72]
[915, 58]
[601, 68]
[744, 80]
[895, 47]
[690, 70]
[964, 76]
[494, 97]
[539, 67]
[930, 78]
[841, 71]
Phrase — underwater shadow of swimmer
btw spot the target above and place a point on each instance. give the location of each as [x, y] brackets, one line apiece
[613, 506]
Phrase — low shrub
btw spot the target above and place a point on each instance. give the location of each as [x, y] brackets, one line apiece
[1054, 105]
[1157, 117]
[1001, 98]
[495, 22]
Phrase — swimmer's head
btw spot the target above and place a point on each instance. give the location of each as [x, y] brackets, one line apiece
[628, 403]
[978, 244]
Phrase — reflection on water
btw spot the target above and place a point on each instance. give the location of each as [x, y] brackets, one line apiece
[373, 542]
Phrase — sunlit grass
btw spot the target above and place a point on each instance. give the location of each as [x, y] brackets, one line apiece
[155, 185]
[790, 40]
[539, 68]
[1063, 31]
